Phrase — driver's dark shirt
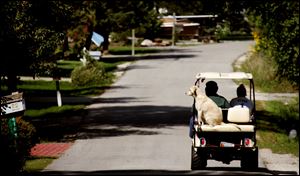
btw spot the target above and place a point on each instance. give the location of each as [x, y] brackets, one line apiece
[220, 101]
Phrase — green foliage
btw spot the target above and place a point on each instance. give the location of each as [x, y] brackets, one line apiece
[91, 74]
[276, 26]
[151, 28]
[222, 30]
[264, 71]
[33, 33]
[14, 155]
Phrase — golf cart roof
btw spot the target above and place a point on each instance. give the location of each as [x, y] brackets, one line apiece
[228, 75]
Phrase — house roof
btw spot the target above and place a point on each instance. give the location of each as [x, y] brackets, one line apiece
[169, 22]
[179, 24]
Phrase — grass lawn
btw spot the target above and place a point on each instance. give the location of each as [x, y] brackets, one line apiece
[126, 50]
[36, 164]
[274, 121]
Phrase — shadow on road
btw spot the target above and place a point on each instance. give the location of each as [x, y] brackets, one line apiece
[127, 120]
[209, 171]
[180, 54]
[109, 121]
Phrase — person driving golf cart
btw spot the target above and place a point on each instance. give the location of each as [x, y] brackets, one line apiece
[211, 90]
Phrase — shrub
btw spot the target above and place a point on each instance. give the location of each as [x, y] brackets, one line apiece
[15, 151]
[93, 73]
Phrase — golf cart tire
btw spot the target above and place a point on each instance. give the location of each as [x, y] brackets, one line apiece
[197, 161]
[250, 160]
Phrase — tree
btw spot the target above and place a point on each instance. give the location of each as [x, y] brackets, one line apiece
[230, 13]
[32, 35]
[117, 16]
[276, 26]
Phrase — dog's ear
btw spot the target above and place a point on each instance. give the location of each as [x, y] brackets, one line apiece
[195, 90]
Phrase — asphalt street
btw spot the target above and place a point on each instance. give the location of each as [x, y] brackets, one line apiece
[140, 125]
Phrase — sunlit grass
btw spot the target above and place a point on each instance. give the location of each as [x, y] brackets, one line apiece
[68, 64]
[54, 111]
[264, 74]
[275, 119]
[127, 50]
[44, 85]
[278, 142]
[37, 164]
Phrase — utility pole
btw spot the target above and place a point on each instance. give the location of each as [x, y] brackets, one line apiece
[132, 42]
[173, 30]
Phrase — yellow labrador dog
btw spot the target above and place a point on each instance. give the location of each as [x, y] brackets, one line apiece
[208, 111]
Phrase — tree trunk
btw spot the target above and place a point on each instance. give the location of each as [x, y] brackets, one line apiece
[105, 43]
[12, 82]
[88, 41]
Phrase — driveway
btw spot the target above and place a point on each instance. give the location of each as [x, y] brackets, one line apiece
[141, 123]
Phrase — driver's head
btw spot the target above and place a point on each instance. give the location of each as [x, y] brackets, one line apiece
[211, 88]
[241, 91]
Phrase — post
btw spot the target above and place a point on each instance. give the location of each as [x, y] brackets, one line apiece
[58, 95]
[12, 125]
[132, 42]
[173, 29]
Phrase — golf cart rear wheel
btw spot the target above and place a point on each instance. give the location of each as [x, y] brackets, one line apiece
[198, 161]
[250, 160]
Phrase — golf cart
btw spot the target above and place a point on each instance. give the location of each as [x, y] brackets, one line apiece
[226, 143]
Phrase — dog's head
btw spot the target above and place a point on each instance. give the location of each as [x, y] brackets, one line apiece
[192, 91]
[195, 91]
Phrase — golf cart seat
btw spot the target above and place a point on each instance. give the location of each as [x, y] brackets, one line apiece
[239, 121]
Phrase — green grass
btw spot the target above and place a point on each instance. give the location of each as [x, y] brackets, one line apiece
[36, 85]
[111, 66]
[68, 64]
[278, 142]
[48, 88]
[274, 121]
[53, 111]
[36, 164]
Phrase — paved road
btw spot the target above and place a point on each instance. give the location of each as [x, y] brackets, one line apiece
[140, 125]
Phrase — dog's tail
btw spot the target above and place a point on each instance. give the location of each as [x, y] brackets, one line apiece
[232, 124]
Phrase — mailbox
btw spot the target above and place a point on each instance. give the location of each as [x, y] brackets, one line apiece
[12, 104]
